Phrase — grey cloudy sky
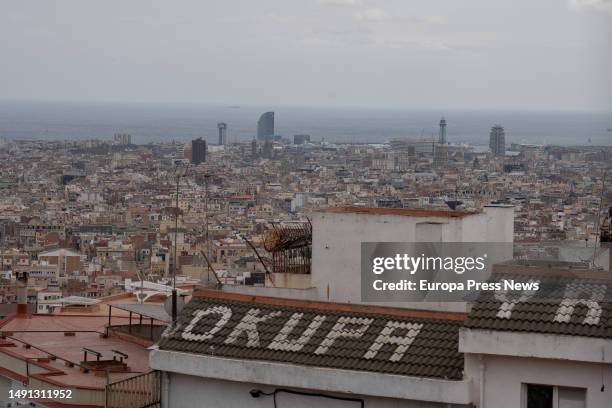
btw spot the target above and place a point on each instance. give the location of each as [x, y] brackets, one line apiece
[544, 54]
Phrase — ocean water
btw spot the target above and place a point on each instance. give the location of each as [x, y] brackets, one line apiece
[159, 122]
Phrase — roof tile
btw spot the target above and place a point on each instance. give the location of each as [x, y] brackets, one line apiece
[420, 347]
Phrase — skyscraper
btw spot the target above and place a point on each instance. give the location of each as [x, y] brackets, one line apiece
[198, 151]
[497, 141]
[442, 137]
[222, 133]
[265, 126]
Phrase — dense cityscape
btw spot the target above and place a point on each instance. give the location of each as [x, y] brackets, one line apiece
[298, 204]
[109, 230]
[115, 203]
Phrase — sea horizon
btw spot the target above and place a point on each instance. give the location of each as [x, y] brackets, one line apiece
[155, 122]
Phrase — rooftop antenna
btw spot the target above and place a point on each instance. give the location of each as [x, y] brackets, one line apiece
[597, 232]
[250, 244]
[206, 229]
[174, 294]
[210, 267]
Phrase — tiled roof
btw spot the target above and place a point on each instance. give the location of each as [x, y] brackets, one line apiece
[570, 306]
[306, 335]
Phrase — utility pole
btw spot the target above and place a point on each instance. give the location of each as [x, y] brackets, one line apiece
[141, 275]
[174, 298]
[597, 231]
[206, 176]
[174, 294]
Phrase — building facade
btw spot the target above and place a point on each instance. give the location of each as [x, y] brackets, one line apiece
[265, 126]
[198, 151]
[546, 349]
[497, 141]
[222, 133]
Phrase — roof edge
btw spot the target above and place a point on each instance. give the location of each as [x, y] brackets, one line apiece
[404, 212]
[331, 306]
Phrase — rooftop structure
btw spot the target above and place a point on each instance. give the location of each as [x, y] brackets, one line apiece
[233, 348]
[34, 352]
[290, 246]
[340, 231]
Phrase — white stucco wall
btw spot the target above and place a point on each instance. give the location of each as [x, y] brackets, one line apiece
[536, 345]
[371, 385]
[499, 221]
[507, 360]
[337, 238]
[189, 391]
[278, 291]
[504, 377]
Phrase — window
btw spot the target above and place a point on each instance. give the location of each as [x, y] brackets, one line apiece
[548, 396]
[539, 396]
[571, 397]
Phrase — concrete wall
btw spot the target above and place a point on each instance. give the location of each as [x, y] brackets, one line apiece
[190, 391]
[536, 345]
[504, 377]
[337, 238]
[203, 368]
[83, 396]
[292, 280]
[281, 292]
[6, 384]
[500, 363]
[499, 223]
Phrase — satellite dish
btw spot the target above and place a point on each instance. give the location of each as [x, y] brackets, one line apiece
[180, 303]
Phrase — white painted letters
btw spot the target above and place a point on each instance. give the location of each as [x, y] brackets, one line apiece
[226, 314]
[402, 342]
[282, 342]
[248, 324]
[340, 330]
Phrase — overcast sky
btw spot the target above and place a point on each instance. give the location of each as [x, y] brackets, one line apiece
[542, 54]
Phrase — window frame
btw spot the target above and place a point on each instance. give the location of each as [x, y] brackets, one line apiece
[555, 396]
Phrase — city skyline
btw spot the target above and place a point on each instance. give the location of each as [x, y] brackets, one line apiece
[150, 122]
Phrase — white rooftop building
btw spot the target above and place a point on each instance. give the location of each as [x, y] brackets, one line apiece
[339, 232]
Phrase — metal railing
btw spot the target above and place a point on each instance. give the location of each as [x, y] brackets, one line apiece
[142, 391]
